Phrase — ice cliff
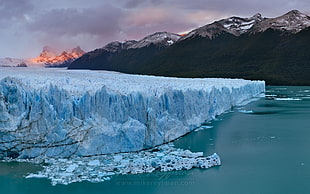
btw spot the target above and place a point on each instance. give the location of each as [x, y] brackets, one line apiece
[59, 113]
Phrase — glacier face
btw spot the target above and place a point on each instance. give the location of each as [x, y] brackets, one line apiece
[60, 113]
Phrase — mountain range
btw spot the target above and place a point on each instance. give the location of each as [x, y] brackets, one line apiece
[13, 62]
[50, 58]
[47, 58]
[272, 49]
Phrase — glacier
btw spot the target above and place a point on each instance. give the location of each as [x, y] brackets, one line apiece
[57, 113]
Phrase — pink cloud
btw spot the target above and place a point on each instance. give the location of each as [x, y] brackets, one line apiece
[204, 17]
[147, 16]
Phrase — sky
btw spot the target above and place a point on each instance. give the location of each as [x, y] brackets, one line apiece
[26, 26]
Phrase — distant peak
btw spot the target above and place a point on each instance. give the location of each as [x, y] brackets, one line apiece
[158, 38]
[47, 52]
[257, 17]
[113, 46]
[48, 56]
[77, 50]
[162, 33]
[294, 12]
[293, 22]
[48, 49]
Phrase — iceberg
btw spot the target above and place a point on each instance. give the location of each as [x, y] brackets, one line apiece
[57, 113]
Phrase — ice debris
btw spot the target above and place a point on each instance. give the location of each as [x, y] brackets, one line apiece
[100, 168]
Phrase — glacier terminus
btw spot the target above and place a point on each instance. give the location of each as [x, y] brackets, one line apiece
[56, 113]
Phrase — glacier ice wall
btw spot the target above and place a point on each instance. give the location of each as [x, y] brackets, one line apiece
[60, 113]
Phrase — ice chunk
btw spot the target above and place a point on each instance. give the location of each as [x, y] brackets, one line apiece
[36, 176]
[94, 163]
[288, 99]
[71, 168]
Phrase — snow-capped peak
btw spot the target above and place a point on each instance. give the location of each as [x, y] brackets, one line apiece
[233, 25]
[118, 46]
[158, 38]
[293, 21]
[257, 17]
[113, 46]
[238, 25]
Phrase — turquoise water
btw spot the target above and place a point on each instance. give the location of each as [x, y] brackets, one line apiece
[264, 148]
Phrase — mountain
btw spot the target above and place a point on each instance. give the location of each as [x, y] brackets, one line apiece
[135, 53]
[51, 59]
[233, 25]
[291, 22]
[46, 55]
[273, 49]
[12, 62]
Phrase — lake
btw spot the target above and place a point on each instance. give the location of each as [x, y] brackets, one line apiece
[264, 148]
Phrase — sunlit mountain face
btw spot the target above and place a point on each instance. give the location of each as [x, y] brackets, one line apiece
[48, 57]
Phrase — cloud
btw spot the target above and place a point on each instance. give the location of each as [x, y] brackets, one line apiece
[96, 26]
[148, 16]
[103, 20]
[14, 11]
[148, 20]
[141, 3]
[67, 27]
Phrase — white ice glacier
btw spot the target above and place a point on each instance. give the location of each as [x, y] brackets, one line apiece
[60, 113]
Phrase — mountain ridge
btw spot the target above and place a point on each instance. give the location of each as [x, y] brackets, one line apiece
[47, 58]
[251, 48]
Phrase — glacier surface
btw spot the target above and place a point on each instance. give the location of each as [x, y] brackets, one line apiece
[58, 113]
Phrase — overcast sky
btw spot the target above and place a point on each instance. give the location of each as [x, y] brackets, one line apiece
[28, 25]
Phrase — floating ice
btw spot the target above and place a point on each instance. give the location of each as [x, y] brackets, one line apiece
[163, 158]
[287, 99]
[270, 95]
[246, 111]
[203, 127]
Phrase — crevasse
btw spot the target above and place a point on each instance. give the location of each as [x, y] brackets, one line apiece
[59, 113]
